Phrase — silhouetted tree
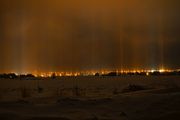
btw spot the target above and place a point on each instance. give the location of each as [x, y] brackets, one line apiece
[12, 76]
[97, 74]
[30, 76]
[53, 76]
[112, 74]
[8, 76]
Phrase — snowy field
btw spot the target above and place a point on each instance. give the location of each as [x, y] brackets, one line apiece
[91, 98]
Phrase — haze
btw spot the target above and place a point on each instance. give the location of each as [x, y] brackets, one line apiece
[78, 35]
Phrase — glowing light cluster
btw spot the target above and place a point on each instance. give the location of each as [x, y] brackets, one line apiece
[102, 72]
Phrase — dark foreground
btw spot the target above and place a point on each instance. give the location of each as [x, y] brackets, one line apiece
[91, 98]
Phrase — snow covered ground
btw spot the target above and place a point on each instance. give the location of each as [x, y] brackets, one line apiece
[91, 98]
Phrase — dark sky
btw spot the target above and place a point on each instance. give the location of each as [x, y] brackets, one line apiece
[75, 35]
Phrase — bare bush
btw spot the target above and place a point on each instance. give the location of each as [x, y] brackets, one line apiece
[133, 88]
[25, 92]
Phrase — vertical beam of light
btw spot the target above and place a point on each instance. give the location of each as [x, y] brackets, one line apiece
[161, 50]
[75, 35]
[2, 53]
[121, 51]
[18, 40]
[161, 41]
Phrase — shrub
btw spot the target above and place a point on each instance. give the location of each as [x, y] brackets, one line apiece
[133, 88]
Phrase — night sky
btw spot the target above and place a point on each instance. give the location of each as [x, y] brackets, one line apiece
[78, 35]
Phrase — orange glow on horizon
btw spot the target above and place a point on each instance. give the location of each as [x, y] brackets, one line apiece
[92, 73]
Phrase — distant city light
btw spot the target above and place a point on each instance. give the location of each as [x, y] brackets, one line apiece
[103, 72]
[162, 70]
[147, 73]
